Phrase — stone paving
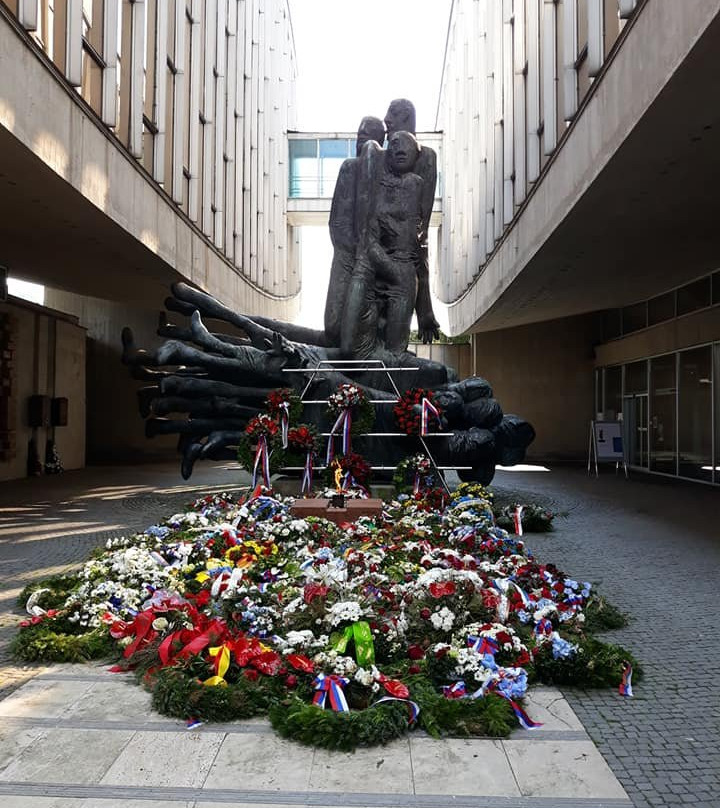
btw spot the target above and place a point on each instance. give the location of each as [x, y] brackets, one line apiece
[653, 546]
[650, 544]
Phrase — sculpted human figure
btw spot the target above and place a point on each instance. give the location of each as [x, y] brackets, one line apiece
[383, 289]
[343, 230]
[401, 117]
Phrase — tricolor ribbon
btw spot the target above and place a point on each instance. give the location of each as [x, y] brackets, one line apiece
[625, 688]
[428, 408]
[284, 422]
[414, 709]
[307, 479]
[517, 520]
[483, 645]
[344, 422]
[456, 691]
[416, 483]
[525, 721]
[543, 627]
[332, 686]
[262, 459]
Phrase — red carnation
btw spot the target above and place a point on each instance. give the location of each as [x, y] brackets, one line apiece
[415, 652]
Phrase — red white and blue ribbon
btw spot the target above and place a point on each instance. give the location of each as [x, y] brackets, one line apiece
[193, 723]
[331, 686]
[344, 422]
[413, 708]
[517, 520]
[307, 479]
[262, 459]
[525, 721]
[456, 691]
[284, 422]
[428, 408]
[625, 688]
[483, 645]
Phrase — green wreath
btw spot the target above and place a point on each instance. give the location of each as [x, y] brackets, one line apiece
[308, 724]
[404, 475]
[361, 409]
[284, 395]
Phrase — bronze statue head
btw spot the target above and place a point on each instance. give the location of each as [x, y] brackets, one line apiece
[370, 128]
[402, 152]
[400, 117]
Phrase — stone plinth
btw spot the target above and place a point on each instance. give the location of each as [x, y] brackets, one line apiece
[354, 509]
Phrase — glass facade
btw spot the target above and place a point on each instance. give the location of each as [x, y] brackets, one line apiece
[670, 409]
[314, 165]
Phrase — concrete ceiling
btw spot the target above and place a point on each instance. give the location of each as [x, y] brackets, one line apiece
[51, 234]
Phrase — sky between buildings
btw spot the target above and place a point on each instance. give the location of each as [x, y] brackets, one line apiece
[353, 58]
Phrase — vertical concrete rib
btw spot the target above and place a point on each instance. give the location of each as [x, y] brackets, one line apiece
[137, 57]
[533, 90]
[549, 75]
[179, 110]
[195, 126]
[110, 56]
[519, 128]
[160, 105]
[218, 196]
[508, 106]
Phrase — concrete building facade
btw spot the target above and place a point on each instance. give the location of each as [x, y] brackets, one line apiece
[142, 142]
[579, 242]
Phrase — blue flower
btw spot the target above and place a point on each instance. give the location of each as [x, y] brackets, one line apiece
[562, 649]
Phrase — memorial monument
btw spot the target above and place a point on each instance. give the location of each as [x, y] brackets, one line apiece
[217, 382]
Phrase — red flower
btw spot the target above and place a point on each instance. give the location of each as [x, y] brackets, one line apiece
[251, 674]
[291, 680]
[300, 663]
[425, 613]
[415, 652]
[313, 591]
[503, 637]
[414, 669]
[438, 590]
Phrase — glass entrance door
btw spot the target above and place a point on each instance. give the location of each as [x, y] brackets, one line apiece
[635, 414]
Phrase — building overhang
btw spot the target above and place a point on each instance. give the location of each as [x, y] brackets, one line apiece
[628, 205]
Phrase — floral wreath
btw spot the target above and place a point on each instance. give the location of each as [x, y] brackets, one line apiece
[350, 397]
[259, 427]
[284, 400]
[414, 474]
[408, 410]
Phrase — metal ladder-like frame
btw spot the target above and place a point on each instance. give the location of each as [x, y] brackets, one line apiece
[378, 366]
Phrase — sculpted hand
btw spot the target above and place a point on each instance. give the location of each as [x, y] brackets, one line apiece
[428, 328]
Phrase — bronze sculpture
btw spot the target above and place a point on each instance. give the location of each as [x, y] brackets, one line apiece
[379, 222]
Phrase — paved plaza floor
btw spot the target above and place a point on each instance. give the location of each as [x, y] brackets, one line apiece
[75, 735]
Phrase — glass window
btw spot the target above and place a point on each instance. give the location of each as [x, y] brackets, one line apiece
[695, 414]
[613, 393]
[303, 168]
[332, 155]
[661, 308]
[716, 288]
[693, 296]
[636, 378]
[662, 414]
[334, 148]
[634, 317]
